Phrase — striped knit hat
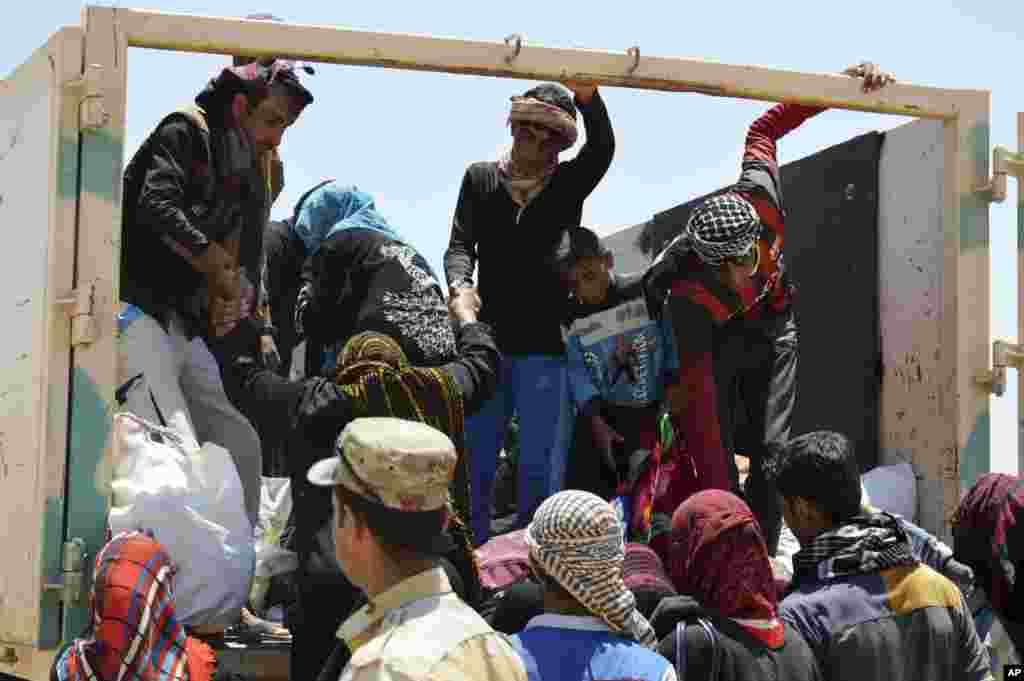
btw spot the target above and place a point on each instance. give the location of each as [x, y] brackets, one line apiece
[724, 226]
[576, 538]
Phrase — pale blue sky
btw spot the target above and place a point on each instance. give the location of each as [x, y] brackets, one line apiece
[406, 137]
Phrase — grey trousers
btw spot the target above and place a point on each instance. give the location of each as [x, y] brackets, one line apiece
[186, 386]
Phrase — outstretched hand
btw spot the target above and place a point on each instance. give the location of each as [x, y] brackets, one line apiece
[874, 78]
[584, 91]
[464, 304]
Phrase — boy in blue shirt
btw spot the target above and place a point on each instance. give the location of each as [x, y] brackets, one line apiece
[590, 628]
[620, 360]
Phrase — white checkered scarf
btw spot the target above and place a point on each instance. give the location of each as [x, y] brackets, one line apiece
[576, 538]
[724, 226]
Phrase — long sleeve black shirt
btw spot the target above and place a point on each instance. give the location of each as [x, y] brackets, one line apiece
[523, 297]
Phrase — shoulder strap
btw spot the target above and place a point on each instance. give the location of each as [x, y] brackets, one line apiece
[716, 649]
[682, 649]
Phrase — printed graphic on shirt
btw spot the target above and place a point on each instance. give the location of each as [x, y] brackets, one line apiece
[619, 346]
[614, 322]
[627, 363]
[420, 314]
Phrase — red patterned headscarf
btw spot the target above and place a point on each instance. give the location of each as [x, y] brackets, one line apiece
[135, 634]
[719, 557]
[255, 79]
[984, 530]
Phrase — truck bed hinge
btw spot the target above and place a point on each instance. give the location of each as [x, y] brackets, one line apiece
[1004, 355]
[92, 114]
[1004, 164]
[83, 323]
[69, 584]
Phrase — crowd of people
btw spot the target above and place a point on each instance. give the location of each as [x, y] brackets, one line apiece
[636, 552]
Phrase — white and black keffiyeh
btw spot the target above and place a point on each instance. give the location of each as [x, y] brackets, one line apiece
[724, 226]
[576, 538]
[867, 543]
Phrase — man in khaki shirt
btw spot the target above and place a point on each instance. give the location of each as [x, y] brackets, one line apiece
[391, 480]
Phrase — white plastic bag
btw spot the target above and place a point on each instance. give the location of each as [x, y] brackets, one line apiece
[191, 498]
[893, 489]
[271, 558]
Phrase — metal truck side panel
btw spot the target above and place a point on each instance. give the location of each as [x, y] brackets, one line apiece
[97, 265]
[36, 274]
[910, 238]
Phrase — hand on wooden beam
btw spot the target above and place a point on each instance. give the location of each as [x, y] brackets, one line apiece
[874, 78]
[584, 91]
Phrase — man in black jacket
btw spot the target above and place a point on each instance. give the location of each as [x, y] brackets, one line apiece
[510, 217]
[197, 196]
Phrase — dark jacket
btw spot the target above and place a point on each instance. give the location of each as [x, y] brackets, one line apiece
[701, 306]
[363, 280]
[522, 294]
[902, 623]
[176, 202]
[742, 656]
[284, 257]
[314, 412]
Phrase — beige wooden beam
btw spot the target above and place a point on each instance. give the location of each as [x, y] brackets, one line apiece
[620, 69]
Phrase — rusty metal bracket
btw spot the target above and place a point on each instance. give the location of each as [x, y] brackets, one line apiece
[70, 582]
[1004, 356]
[1004, 164]
[83, 322]
[635, 53]
[93, 115]
[514, 42]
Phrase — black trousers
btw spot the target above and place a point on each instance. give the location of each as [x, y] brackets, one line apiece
[755, 378]
[325, 601]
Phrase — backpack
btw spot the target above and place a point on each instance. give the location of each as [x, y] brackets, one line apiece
[682, 653]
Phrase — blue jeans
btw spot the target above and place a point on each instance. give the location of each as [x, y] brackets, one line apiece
[536, 388]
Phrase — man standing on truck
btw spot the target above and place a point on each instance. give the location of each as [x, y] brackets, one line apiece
[723, 283]
[282, 265]
[510, 217]
[197, 195]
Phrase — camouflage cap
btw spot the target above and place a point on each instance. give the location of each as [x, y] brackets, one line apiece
[403, 465]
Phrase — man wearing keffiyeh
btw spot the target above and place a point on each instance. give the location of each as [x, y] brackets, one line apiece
[510, 218]
[723, 285]
[591, 628]
[197, 197]
[866, 606]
